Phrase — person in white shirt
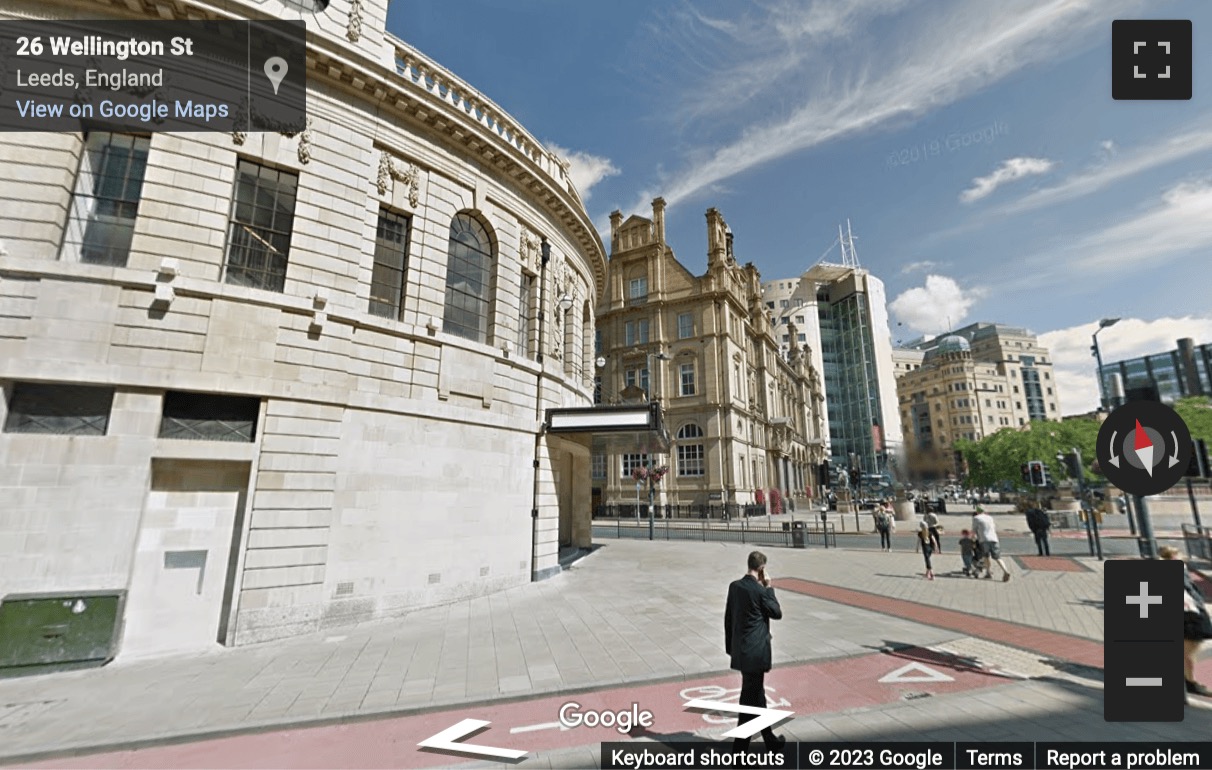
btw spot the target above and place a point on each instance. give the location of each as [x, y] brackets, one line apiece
[986, 534]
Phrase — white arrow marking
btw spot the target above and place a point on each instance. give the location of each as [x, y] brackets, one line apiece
[1174, 457]
[1145, 454]
[544, 726]
[765, 717]
[446, 741]
[1114, 457]
[925, 674]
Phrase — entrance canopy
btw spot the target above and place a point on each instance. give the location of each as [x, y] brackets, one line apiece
[643, 420]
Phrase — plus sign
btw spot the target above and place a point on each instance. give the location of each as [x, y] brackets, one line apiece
[1144, 600]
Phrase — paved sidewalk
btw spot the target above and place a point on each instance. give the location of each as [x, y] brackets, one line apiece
[631, 613]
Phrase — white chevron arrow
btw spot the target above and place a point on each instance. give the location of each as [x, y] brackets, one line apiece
[765, 717]
[1174, 457]
[445, 741]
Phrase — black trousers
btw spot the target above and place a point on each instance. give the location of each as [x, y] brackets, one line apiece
[885, 538]
[934, 537]
[1041, 542]
[753, 693]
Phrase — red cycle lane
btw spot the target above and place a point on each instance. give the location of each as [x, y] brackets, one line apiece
[533, 725]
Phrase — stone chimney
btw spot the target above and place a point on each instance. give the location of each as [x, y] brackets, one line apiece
[658, 220]
[616, 222]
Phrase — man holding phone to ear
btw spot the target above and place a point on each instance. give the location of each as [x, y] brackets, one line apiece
[751, 606]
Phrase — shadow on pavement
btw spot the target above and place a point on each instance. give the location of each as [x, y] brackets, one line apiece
[936, 659]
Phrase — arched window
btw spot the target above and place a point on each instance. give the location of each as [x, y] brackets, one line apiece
[468, 279]
[691, 455]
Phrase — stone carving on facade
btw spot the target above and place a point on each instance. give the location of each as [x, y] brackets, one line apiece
[409, 174]
[354, 31]
[528, 248]
[305, 143]
[239, 118]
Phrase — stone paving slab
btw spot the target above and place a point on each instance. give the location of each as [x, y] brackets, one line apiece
[634, 611]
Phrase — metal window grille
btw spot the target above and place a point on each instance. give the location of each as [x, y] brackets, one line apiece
[65, 410]
[209, 417]
[258, 242]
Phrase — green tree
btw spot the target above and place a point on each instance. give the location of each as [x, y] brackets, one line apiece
[997, 459]
[1197, 413]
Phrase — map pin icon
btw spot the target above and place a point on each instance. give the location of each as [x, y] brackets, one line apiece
[275, 70]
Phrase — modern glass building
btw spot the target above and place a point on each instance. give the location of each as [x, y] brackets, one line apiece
[1174, 374]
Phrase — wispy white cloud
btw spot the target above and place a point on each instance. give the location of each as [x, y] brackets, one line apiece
[1010, 170]
[937, 305]
[1117, 165]
[1075, 368]
[585, 169]
[920, 266]
[1178, 225]
[754, 86]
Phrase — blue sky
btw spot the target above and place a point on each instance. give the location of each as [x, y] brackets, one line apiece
[974, 146]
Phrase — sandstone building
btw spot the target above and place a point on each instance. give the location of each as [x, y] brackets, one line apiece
[261, 384]
[970, 383]
[741, 417]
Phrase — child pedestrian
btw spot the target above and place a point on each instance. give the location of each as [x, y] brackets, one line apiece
[927, 541]
[967, 544]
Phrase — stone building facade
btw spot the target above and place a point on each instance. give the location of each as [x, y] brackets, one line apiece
[262, 420]
[740, 416]
[969, 384]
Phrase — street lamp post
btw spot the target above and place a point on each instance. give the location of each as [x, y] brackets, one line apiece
[651, 485]
[1098, 356]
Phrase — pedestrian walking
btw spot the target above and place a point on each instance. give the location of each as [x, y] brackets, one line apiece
[1197, 624]
[927, 541]
[1039, 524]
[930, 519]
[991, 547]
[884, 525]
[750, 608]
[967, 546]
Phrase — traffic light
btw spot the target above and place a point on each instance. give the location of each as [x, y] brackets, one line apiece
[1026, 471]
[1039, 474]
[1198, 467]
[1072, 466]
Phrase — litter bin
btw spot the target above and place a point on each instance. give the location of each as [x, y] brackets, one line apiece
[798, 532]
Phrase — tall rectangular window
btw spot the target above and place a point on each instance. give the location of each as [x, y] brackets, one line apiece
[106, 199]
[687, 379]
[633, 461]
[66, 410]
[598, 466]
[636, 332]
[391, 265]
[637, 291]
[262, 215]
[526, 319]
[690, 460]
[685, 325]
[636, 377]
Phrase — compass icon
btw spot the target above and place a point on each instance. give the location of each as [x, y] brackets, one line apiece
[1144, 447]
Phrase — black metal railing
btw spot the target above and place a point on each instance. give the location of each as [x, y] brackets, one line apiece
[790, 534]
[1198, 541]
[718, 511]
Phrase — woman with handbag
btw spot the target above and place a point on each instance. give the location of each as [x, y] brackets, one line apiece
[1197, 624]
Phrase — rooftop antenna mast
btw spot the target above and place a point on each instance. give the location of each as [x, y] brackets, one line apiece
[846, 239]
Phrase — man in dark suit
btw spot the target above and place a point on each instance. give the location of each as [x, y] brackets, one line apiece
[751, 606]
[1039, 524]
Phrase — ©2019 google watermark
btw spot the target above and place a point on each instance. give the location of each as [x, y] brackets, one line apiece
[953, 142]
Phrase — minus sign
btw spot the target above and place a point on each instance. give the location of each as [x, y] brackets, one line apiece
[1143, 681]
